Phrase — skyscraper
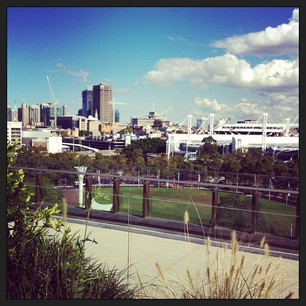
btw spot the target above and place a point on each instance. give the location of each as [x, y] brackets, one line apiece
[23, 114]
[102, 98]
[87, 102]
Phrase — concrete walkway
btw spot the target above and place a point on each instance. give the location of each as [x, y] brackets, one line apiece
[140, 249]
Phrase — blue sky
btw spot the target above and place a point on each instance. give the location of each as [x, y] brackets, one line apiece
[235, 62]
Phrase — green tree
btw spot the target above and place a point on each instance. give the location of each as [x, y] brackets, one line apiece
[179, 162]
[294, 167]
[208, 156]
[161, 161]
[147, 145]
[230, 164]
[137, 158]
[280, 169]
[264, 165]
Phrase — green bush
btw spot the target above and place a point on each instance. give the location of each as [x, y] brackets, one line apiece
[235, 211]
[46, 261]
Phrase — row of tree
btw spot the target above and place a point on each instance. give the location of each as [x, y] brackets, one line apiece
[150, 154]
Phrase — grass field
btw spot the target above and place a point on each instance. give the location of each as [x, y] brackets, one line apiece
[169, 203]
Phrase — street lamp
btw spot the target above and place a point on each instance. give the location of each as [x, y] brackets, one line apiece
[81, 173]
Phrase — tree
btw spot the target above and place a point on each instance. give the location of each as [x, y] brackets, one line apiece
[160, 161]
[294, 167]
[230, 164]
[264, 165]
[179, 162]
[208, 156]
[137, 158]
[127, 130]
[280, 169]
[209, 140]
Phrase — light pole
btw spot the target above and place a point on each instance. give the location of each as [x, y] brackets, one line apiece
[81, 173]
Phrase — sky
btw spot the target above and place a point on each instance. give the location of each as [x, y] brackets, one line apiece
[234, 62]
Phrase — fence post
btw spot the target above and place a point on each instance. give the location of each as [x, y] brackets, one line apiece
[254, 211]
[145, 199]
[116, 195]
[297, 221]
[38, 188]
[88, 192]
[214, 207]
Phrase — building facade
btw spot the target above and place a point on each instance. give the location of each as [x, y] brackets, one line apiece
[102, 102]
[87, 102]
[23, 114]
[14, 131]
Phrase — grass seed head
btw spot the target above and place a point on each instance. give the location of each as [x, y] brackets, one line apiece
[186, 217]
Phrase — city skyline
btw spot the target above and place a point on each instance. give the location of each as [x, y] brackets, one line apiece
[236, 62]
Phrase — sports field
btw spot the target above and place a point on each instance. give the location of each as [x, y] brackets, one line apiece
[172, 203]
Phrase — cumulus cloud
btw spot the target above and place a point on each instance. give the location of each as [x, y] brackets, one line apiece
[277, 75]
[247, 109]
[275, 80]
[210, 104]
[295, 15]
[278, 108]
[283, 39]
[243, 108]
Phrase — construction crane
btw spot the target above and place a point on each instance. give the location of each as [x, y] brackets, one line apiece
[84, 79]
[54, 103]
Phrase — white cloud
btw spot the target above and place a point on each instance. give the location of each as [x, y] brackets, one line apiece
[275, 80]
[284, 39]
[295, 15]
[277, 75]
[212, 105]
[66, 70]
[247, 109]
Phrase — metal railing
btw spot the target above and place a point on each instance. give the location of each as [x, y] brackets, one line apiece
[145, 203]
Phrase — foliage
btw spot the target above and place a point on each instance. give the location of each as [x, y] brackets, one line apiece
[230, 164]
[46, 261]
[50, 194]
[256, 162]
[235, 212]
[208, 155]
[147, 145]
[127, 130]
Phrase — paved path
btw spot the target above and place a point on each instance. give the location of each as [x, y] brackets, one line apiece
[121, 246]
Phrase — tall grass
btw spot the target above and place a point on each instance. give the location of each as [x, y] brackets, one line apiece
[228, 274]
[47, 261]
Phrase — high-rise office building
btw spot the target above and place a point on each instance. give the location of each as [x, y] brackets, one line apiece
[102, 102]
[12, 114]
[65, 110]
[45, 113]
[23, 114]
[87, 102]
[34, 113]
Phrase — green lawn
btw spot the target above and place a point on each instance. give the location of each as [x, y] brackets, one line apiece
[171, 204]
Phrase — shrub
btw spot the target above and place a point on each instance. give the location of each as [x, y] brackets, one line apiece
[235, 211]
[46, 261]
